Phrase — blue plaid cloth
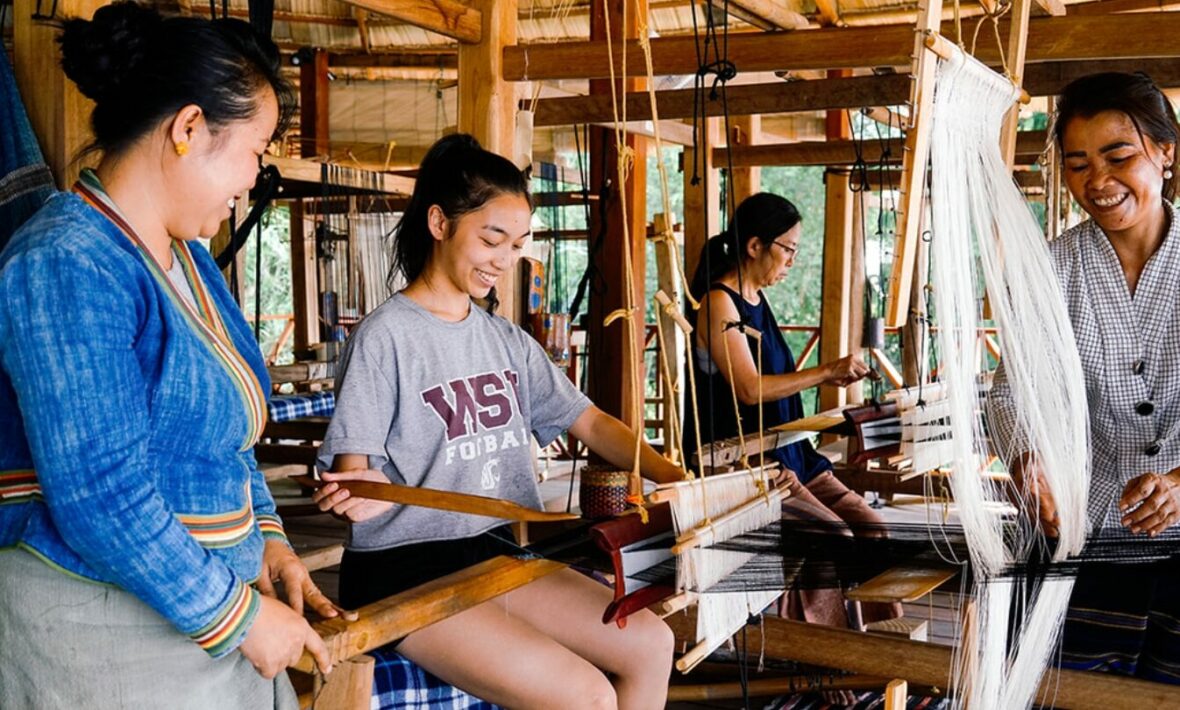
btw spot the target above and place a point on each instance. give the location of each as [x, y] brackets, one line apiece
[284, 408]
[398, 684]
[25, 180]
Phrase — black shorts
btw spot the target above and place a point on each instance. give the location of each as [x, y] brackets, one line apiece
[366, 577]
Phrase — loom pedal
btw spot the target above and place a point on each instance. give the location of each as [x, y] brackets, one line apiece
[903, 627]
[902, 584]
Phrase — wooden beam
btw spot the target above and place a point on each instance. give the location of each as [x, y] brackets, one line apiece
[702, 201]
[313, 105]
[616, 377]
[747, 179]
[929, 664]
[913, 169]
[836, 338]
[829, 13]
[1043, 79]
[404, 613]
[1056, 8]
[767, 15]
[743, 99]
[58, 112]
[1017, 50]
[349, 687]
[1029, 145]
[304, 280]
[311, 171]
[446, 17]
[1068, 38]
[487, 108]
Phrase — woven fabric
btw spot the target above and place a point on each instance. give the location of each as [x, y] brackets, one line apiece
[400, 684]
[25, 180]
[284, 408]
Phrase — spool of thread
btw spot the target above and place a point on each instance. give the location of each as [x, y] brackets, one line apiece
[874, 333]
[603, 492]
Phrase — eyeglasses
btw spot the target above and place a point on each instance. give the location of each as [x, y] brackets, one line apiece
[790, 250]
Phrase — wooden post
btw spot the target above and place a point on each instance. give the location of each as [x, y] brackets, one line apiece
[304, 279]
[896, 694]
[702, 219]
[747, 180]
[614, 374]
[836, 338]
[58, 112]
[1017, 44]
[313, 105]
[349, 687]
[668, 281]
[487, 108]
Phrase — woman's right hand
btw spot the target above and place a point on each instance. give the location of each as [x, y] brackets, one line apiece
[277, 638]
[1036, 498]
[846, 370]
[331, 498]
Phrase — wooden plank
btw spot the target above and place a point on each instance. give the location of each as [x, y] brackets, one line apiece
[306, 428]
[448, 18]
[58, 112]
[1068, 38]
[348, 687]
[311, 171]
[747, 179]
[896, 694]
[903, 627]
[404, 613]
[765, 687]
[902, 584]
[322, 558]
[487, 109]
[929, 664]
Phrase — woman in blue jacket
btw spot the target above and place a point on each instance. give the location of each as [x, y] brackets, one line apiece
[134, 524]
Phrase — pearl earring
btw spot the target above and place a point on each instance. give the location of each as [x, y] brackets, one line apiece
[1168, 172]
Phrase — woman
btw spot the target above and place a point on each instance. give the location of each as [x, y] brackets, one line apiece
[133, 520]
[435, 392]
[753, 254]
[1120, 273]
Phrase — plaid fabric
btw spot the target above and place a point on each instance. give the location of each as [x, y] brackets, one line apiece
[25, 180]
[398, 684]
[1128, 347]
[864, 701]
[284, 408]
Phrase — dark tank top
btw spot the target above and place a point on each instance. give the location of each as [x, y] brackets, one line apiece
[715, 398]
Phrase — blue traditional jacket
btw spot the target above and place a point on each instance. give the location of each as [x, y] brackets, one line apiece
[128, 419]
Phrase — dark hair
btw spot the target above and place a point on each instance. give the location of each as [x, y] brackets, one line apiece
[764, 216]
[1135, 95]
[140, 68]
[460, 177]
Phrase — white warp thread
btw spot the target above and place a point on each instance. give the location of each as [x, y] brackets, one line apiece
[977, 209]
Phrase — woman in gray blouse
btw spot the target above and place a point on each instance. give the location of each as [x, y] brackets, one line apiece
[1120, 275]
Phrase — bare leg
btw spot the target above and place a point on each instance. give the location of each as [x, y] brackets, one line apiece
[541, 646]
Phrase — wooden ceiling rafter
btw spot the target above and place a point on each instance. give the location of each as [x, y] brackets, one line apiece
[449, 18]
[1071, 38]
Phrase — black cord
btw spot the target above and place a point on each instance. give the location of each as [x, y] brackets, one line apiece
[258, 284]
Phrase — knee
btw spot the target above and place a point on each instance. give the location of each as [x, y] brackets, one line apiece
[652, 645]
[597, 692]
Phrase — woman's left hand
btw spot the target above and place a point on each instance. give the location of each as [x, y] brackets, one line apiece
[1151, 503]
[281, 564]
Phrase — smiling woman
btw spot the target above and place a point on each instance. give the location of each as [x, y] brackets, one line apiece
[1120, 274]
[436, 393]
[138, 541]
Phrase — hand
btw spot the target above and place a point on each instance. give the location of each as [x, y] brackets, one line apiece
[783, 478]
[277, 638]
[1151, 503]
[1033, 494]
[280, 564]
[846, 370]
[331, 498]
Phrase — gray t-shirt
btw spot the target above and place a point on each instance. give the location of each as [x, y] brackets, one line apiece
[447, 406]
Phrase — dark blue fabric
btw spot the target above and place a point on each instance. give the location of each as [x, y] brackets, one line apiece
[25, 180]
[718, 420]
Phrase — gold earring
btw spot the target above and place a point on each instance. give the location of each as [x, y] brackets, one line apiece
[182, 148]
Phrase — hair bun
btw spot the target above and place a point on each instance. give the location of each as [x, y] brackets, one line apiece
[102, 55]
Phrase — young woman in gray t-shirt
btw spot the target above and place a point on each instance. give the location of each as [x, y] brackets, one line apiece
[435, 392]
